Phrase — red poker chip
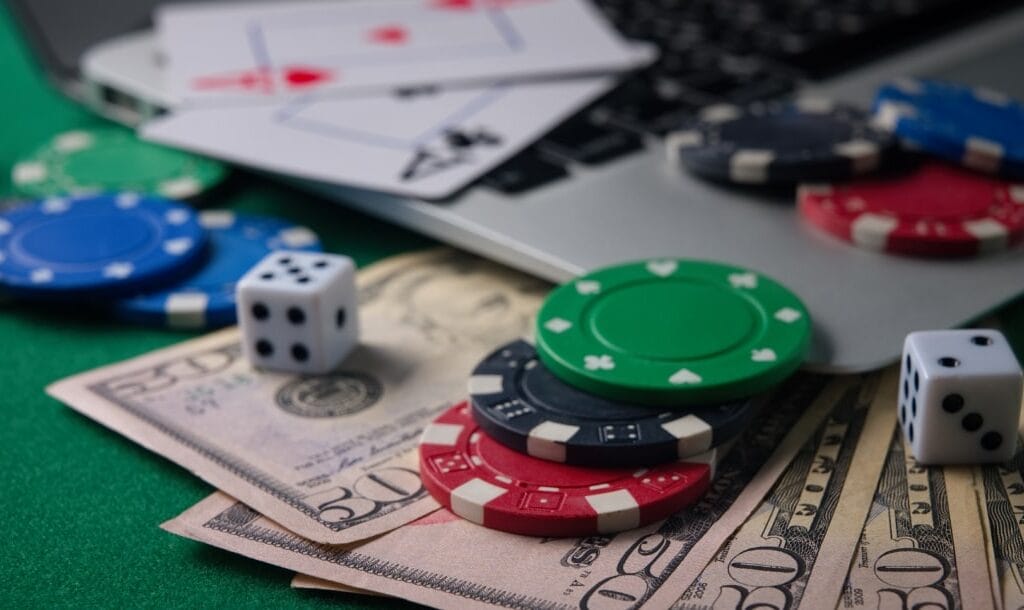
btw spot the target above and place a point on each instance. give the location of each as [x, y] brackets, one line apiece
[939, 210]
[487, 483]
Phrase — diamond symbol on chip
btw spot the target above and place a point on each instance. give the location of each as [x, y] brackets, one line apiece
[787, 315]
[177, 246]
[558, 325]
[662, 268]
[603, 362]
[177, 217]
[55, 205]
[126, 201]
[684, 377]
[588, 287]
[766, 354]
[743, 280]
[41, 276]
[118, 270]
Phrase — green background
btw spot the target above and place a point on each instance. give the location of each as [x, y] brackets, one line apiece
[80, 505]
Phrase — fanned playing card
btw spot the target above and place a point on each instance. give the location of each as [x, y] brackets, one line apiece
[226, 53]
[425, 144]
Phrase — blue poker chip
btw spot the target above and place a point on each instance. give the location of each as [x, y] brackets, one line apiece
[977, 128]
[522, 405]
[206, 298]
[96, 245]
[806, 139]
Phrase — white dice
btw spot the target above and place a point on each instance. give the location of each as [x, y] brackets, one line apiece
[959, 396]
[298, 311]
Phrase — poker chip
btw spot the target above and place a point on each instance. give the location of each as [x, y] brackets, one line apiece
[522, 405]
[206, 298]
[779, 143]
[938, 210]
[97, 244]
[95, 160]
[485, 482]
[672, 332]
[978, 128]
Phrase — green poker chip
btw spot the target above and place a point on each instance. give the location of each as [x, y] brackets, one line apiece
[112, 160]
[673, 332]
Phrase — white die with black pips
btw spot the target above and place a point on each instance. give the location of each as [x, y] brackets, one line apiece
[298, 311]
[959, 396]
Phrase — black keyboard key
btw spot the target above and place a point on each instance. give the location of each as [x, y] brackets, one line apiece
[523, 172]
[583, 141]
[764, 89]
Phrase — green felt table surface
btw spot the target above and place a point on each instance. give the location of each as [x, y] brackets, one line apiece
[80, 505]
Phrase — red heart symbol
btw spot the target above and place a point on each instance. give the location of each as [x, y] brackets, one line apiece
[389, 34]
[299, 77]
[453, 5]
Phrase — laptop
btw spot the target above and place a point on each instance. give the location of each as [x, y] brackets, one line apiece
[597, 189]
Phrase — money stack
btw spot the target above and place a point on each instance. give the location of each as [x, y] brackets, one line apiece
[642, 375]
[817, 504]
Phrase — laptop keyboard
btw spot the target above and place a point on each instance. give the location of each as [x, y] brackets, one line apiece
[715, 51]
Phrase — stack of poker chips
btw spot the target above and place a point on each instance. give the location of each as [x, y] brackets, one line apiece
[935, 170]
[106, 221]
[642, 375]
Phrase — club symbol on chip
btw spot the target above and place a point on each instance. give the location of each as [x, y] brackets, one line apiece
[743, 280]
[603, 362]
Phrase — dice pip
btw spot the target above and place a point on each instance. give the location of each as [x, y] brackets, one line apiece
[959, 396]
[298, 311]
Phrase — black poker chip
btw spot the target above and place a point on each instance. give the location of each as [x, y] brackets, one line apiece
[781, 143]
[522, 405]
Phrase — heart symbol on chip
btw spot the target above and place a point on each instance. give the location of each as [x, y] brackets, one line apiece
[662, 268]
[743, 280]
[763, 355]
[684, 377]
[588, 287]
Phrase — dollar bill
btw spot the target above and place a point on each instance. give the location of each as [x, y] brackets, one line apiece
[794, 550]
[1002, 490]
[922, 545]
[330, 457]
[444, 561]
[305, 581]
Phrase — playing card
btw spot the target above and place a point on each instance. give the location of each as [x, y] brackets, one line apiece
[424, 144]
[269, 51]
